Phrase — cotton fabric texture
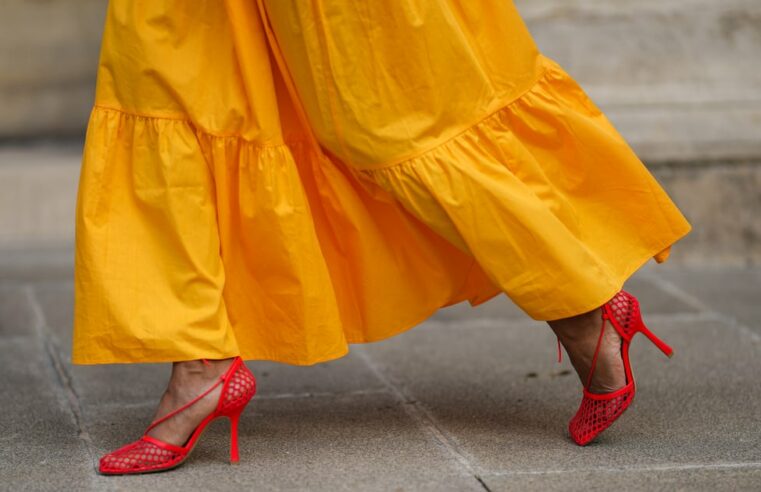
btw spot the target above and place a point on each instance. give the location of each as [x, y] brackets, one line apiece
[281, 178]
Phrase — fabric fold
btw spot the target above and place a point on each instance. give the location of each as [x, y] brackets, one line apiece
[216, 245]
[546, 196]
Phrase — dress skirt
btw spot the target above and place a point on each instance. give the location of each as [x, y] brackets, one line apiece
[279, 179]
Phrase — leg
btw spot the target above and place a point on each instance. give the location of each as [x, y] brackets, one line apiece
[579, 335]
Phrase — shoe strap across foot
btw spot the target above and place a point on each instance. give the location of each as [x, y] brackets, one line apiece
[594, 357]
[609, 314]
[221, 380]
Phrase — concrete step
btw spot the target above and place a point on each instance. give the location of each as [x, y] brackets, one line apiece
[721, 199]
[38, 188]
[679, 79]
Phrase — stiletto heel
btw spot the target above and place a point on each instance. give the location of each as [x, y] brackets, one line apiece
[597, 411]
[234, 458]
[148, 454]
[662, 346]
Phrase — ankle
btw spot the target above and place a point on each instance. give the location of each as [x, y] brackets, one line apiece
[582, 337]
[578, 329]
[194, 371]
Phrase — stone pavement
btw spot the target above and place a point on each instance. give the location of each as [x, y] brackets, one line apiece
[472, 399]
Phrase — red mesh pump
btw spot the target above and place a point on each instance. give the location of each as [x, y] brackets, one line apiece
[598, 411]
[147, 454]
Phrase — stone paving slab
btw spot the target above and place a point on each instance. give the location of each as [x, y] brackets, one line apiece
[470, 400]
[16, 312]
[496, 393]
[734, 292]
[39, 444]
[716, 479]
[351, 442]
[55, 299]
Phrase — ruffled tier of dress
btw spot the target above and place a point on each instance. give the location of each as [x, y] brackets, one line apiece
[190, 243]
[546, 195]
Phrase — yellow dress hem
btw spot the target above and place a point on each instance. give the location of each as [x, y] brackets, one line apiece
[253, 355]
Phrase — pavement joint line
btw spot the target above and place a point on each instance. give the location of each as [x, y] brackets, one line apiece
[492, 322]
[628, 469]
[275, 396]
[673, 289]
[63, 378]
[424, 419]
[323, 394]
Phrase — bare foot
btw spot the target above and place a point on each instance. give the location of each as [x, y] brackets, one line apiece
[579, 335]
[189, 379]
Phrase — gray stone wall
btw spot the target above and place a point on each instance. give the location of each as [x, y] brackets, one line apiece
[48, 56]
[681, 79]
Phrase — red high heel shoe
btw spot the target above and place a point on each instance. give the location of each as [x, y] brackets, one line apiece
[148, 454]
[598, 411]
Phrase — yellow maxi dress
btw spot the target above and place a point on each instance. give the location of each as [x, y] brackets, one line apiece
[277, 179]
